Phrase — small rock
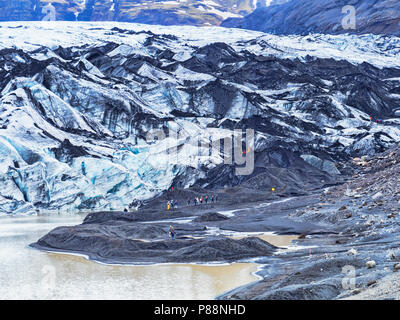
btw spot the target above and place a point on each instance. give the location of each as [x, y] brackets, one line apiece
[390, 255]
[352, 252]
[343, 208]
[348, 215]
[371, 264]
[371, 283]
[377, 195]
[396, 267]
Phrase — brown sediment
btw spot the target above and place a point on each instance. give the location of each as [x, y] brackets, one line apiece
[274, 239]
[191, 281]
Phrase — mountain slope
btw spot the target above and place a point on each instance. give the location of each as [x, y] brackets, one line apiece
[316, 16]
[75, 118]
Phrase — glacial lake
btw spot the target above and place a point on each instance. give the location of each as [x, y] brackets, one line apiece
[26, 273]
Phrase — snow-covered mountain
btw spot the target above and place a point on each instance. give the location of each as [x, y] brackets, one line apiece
[323, 16]
[167, 12]
[78, 100]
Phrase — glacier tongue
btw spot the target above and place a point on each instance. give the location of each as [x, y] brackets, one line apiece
[78, 101]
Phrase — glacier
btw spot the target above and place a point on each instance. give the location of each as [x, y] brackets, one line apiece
[79, 98]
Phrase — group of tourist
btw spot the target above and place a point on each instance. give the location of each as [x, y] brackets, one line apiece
[197, 201]
[203, 199]
[172, 204]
